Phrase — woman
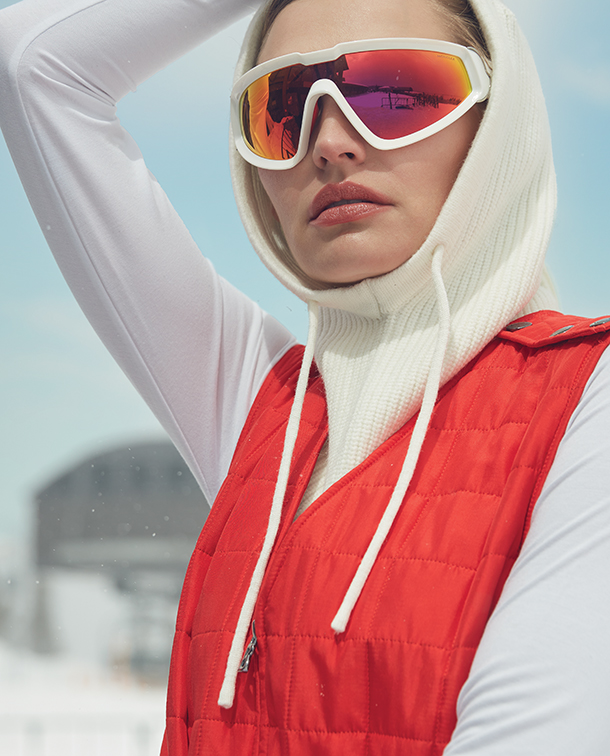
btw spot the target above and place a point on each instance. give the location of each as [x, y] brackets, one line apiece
[374, 509]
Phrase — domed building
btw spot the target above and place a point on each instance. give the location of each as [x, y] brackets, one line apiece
[131, 515]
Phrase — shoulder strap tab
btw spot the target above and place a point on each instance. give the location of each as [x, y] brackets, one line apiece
[546, 327]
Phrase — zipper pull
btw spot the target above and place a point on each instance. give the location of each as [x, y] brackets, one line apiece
[245, 662]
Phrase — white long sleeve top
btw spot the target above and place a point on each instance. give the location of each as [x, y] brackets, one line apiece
[198, 351]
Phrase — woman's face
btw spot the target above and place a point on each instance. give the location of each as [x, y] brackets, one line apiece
[402, 190]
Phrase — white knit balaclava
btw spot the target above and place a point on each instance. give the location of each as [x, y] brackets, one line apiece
[376, 339]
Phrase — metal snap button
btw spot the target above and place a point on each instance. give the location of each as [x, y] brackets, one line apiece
[560, 331]
[517, 326]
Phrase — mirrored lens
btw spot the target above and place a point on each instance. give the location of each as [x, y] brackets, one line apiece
[394, 92]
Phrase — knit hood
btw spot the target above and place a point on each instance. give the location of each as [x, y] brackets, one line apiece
[376, 338]
[384, 346]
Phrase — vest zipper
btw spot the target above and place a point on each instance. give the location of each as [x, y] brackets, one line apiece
[250, 648]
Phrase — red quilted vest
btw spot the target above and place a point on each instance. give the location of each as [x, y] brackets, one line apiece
[389, 684]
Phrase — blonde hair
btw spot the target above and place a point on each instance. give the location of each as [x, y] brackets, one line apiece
[459, 16]
[463, 24]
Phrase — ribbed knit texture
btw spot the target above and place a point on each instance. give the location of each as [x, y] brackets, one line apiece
[377, 338]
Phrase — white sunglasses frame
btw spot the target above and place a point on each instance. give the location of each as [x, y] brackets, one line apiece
[475, 68]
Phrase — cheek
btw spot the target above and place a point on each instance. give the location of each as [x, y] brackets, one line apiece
[449, 149]
[468, 125]
[286, 201]
[276, 189]
[266, 179]
[270, 189]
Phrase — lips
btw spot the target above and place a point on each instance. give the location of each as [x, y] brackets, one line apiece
[344, 202]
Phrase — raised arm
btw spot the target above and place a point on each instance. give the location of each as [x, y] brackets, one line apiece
[194, 347]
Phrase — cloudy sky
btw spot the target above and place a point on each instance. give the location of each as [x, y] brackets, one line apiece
[63, 399]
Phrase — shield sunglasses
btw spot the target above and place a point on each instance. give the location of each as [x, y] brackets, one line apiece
[394, 92]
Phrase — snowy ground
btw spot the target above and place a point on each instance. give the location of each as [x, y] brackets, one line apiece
[58, 707]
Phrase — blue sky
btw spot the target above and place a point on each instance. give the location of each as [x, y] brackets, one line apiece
[63, 397]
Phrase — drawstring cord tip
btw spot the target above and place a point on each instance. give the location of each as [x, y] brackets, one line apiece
[338, 627]
[225, 699]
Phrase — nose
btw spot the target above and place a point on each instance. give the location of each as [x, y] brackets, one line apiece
[334, 141]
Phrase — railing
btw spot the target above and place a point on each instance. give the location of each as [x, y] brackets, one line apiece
[62, 735]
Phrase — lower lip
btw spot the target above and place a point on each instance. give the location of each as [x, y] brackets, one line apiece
[347, 213]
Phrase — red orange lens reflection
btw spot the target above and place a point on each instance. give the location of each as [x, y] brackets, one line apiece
[395, 93]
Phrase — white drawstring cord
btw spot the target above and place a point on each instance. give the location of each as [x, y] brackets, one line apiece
[227, 692]
[431, 390]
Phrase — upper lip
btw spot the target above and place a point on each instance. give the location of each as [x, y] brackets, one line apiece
[347, 190]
